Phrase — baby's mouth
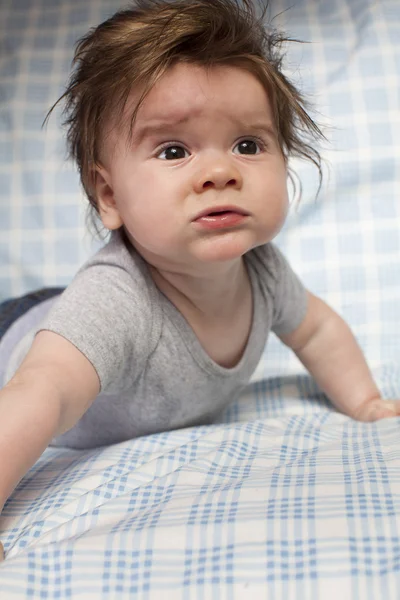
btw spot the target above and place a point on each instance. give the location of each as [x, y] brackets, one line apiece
[220, 218]
[220, 213]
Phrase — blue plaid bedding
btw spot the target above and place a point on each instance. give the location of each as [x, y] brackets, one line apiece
[283, 498]
[299, 506]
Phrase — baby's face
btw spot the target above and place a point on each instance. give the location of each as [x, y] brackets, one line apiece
[203, 178]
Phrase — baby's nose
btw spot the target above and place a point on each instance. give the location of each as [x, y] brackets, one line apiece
[218, 173]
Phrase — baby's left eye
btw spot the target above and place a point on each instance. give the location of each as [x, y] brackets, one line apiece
[247, 147]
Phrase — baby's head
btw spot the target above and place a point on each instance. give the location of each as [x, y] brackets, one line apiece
[133, 49]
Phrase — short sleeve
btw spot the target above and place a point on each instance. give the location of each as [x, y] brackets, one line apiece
[290, 295]
[105, 317]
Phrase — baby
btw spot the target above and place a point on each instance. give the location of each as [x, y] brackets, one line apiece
[182, 124]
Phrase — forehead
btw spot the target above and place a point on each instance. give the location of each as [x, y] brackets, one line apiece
[186, 91]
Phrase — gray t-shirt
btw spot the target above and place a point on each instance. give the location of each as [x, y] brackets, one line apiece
[153, 371]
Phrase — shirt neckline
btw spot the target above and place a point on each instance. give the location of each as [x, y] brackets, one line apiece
[191, 340]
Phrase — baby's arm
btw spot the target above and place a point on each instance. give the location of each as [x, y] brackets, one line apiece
[327, 348]
[52, 389]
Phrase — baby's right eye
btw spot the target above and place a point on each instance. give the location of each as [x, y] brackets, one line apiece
[173, 152]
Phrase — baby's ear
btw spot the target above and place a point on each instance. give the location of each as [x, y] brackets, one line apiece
[106, 203]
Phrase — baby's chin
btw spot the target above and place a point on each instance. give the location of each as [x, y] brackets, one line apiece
[224, 248]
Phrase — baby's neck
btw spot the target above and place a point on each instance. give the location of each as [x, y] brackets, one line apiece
[211, 295]
[218, 308]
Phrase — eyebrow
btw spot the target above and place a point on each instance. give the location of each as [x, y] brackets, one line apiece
[264, 126]
[155, 127]
[159, 126]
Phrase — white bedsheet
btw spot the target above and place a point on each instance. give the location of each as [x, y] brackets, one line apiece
[304, 505]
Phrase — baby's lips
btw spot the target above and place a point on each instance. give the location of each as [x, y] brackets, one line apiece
[219, 210]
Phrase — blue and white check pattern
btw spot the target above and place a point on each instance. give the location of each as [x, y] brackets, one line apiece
[283, 498]
[301, 506]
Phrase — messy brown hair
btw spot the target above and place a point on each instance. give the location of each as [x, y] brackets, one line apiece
[135, 47]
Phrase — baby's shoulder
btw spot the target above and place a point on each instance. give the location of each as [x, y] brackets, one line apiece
[267, 261]
[116, 272]
[110, 313]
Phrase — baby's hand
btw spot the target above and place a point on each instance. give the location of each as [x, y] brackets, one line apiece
[376, 409]
[1, 552]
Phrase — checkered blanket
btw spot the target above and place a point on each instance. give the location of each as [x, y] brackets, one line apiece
[283, 498]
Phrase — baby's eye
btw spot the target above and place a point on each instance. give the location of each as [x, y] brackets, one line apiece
[247, 147]
[173, 153]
